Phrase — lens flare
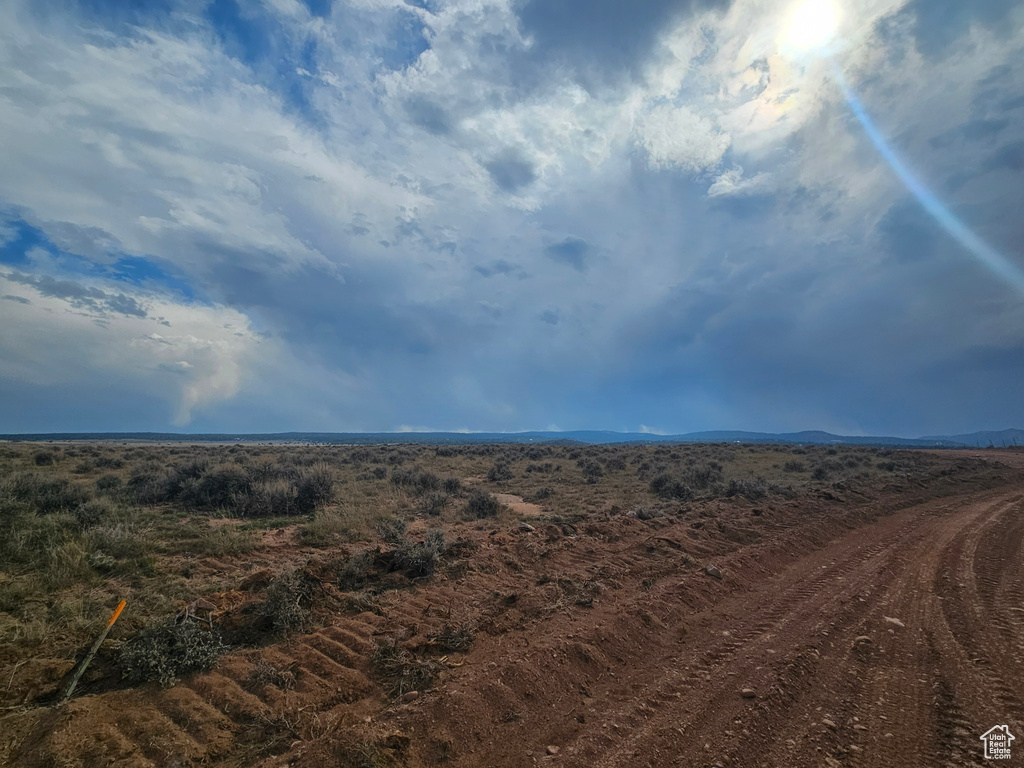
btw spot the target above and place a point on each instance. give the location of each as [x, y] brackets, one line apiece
[813, 25]
[986, 254]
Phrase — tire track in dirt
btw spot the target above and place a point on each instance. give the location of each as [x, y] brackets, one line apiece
[835, 683]
[211, 716]
[811, 611]
[909, 698]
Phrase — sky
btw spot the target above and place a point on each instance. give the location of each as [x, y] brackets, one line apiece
[502, 215]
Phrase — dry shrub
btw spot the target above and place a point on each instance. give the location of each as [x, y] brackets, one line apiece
[264, 673]
[482, 504]
[452, 638]
[399, 671]
[668, 487]
[166, 651]
[419, 559]
[288, 603]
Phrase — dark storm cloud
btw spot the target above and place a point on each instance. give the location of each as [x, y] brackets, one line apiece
[551, 316]
[602, 39]
[907, 232]
[571, 251]
[1007, 158]
[429, 115]
[126, 305]
[971, 131]
[745, 206]
[938, 24]
[60, 289]
[511, 171]
[91, 242]
[500, 267]
[348, 322]
[997, 92]
[80, 296]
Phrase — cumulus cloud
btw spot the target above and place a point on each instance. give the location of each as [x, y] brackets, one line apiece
[571, 251]
[679, 137]
[733, 182]
[49, 342]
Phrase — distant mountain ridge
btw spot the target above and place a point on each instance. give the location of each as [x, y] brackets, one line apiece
[1006, 437]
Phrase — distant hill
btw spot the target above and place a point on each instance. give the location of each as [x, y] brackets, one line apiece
[1004, 437]
[590, 437]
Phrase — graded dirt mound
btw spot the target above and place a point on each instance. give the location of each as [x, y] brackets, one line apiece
[839, 634]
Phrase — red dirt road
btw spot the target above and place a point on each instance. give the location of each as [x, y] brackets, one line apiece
[834, 682]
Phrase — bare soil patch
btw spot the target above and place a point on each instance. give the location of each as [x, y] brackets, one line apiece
[517, 505]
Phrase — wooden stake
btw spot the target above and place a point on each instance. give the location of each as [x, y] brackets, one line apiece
[68, 688]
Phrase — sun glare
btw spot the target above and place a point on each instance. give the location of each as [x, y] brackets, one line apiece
[812, 25]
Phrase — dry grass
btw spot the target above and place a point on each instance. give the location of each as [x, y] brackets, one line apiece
[82, 525]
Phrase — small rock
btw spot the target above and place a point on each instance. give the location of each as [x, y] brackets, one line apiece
[410, 696]
[855, 748]
[552, 749]
[526, 527]
[748, 693]
[829, 723]
[891, 620]
[713, 571]
[861, 640]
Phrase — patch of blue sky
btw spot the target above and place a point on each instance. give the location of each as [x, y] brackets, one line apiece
[321, 8]
[114, 13]
[249, 35]
[22, 238]
[147, 273]
[244, 35]
[142, 272]
[406, 42]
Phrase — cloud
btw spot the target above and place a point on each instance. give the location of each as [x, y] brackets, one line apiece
[551, 316]
[733, 182]
[511, 171]
[500, 267]
[939, 24]
[571, 251]
[602, 39]
[50, 344]
[645, 430]
[678, 137]
[81, 296]
[347, 185]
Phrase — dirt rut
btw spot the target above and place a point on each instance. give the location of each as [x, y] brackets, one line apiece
[896, 644]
